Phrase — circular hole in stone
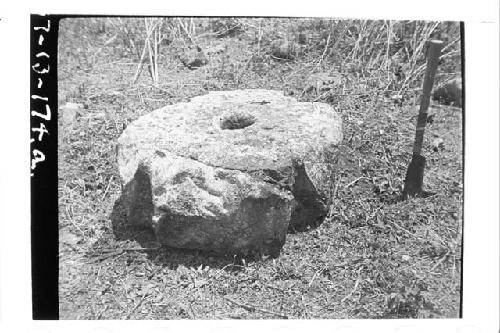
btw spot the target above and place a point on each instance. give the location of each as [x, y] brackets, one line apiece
[237, 120]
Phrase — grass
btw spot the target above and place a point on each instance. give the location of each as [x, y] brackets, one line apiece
[374, 257]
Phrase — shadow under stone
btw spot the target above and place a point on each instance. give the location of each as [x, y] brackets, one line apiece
[168, 256]
[310, 211]
[131, 221]
[122, 230]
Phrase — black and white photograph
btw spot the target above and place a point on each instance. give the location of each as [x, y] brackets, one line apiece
[283, 168]
[259, 168]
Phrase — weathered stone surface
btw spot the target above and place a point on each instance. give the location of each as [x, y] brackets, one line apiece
[229, 171]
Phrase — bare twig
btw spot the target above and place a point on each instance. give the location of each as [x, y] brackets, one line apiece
[342, 264]
[191, 312]
[149, 31]
[389, 33]
[352, 291]
[252, 308]
[137, 305]
[449, 54]
[212, 301]
[450, 44]
[324, 52]
[71, 219]
[259, 38]
[440, 261]
[355, 181]
[275, 288]
[334, 192]
[155, 49]
[107, 187]
[141, 63]
[304, 307]
[220, 32]
[186, 32]
[453, 268]
[111, 40]
[105, 93]
[403, 229]
[108, 253]
[314, 276]
[142, 248]
[322, 269]
[123, 26]
[105, 256]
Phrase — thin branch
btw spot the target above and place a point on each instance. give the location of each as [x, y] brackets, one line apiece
[440, 261]
[136, 306]
[71, 219]
[108, 253]
[143, 55]
[142, 248]
[406, 231]
[252, 308]
[107, 187]
[354, 182]
[186, 32]
[450, 44]
[352, 291]
[324, 52]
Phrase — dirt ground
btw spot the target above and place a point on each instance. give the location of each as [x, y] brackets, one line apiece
[375, 256]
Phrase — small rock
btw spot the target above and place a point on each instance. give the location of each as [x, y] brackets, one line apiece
[405, 257]
[283, 49]
[438, 144]
[67, 237]
[217, 49]
[430, 119]
[193, 58]
[450, 93]
[70, 111]
[200, 283]
[302, 38]
[67, 122]
[321, 82]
